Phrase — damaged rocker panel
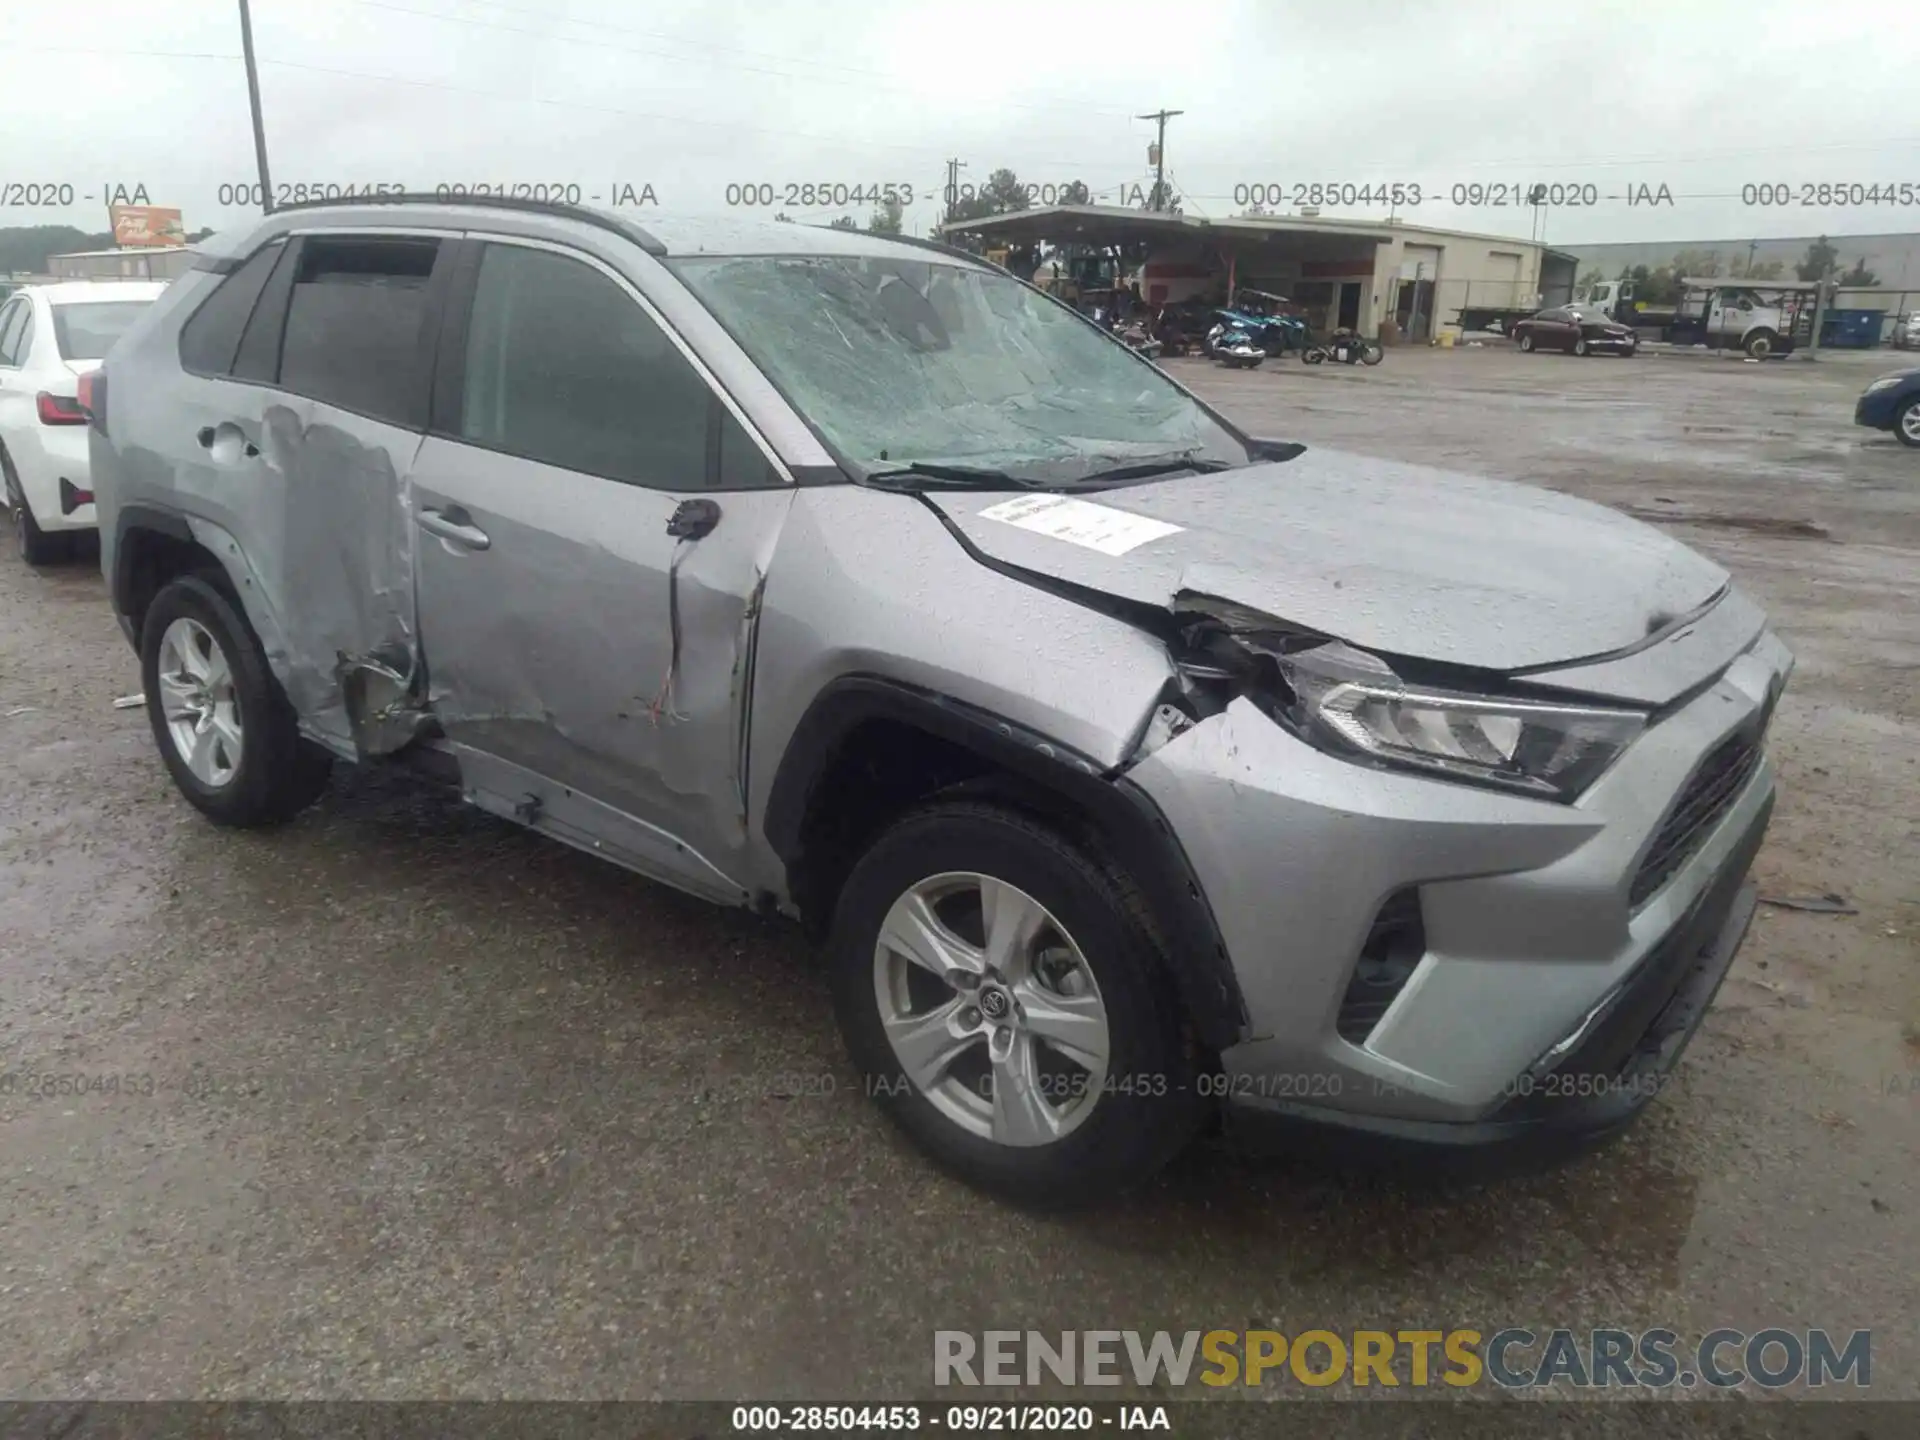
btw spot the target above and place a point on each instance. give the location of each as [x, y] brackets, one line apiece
[528, 798]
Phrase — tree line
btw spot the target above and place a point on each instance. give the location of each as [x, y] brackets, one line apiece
[1661, 285]
[25, 248]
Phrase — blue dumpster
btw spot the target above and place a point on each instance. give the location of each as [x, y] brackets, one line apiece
[1851, 329]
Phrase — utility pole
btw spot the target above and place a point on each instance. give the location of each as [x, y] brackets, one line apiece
[954, 167]
[253, 99]
[1159, 155]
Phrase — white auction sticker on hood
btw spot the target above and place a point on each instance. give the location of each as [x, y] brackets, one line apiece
[1080, 522]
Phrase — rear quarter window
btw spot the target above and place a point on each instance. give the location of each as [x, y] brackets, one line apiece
[211, 337]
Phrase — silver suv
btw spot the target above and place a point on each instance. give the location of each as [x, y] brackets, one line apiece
[1138, 774]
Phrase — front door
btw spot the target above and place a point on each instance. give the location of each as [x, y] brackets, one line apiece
[592, 666]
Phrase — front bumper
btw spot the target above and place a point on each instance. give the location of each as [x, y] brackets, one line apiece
[1877, 409]
[1540, 923]
[1595, 1091]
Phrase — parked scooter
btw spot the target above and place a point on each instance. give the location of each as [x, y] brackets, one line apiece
[1234, 347]
[1347, 347]
[1134, 336]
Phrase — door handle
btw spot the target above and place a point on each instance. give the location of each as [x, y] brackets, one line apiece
[454, 524]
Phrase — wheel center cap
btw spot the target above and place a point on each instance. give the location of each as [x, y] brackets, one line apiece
[995, 1003]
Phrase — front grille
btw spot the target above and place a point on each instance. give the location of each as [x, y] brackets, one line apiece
[1702, 804]
[1394, 947]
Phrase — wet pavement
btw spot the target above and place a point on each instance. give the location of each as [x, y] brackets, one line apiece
[409, 1103]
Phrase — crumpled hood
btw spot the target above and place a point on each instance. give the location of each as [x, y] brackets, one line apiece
[1395, 558]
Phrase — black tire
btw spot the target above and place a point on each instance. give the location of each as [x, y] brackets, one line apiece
[35, 545]
[1312, 355]
[1761, 344]
[1580, 346]
[279, 773]
[1526, 343]
[1906, 424]
[1131, 1132]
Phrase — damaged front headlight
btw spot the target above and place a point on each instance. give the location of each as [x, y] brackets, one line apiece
[1348, 699]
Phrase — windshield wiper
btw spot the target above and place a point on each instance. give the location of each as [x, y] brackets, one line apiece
[1143, 469]
[967, 477]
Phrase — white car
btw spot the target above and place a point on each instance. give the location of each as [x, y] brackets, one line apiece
[50, 336]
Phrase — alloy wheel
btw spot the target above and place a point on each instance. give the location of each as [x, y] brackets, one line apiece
[991, 1009]
[197, 700]
[1910, 424]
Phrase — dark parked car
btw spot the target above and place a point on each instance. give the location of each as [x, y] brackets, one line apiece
[1892, 403]
[1580, 332]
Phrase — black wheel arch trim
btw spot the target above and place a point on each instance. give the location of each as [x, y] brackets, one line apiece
[1133, 829]
[131, 518]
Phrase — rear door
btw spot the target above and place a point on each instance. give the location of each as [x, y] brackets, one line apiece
[313, 366]
[594, 519]
[16, 394]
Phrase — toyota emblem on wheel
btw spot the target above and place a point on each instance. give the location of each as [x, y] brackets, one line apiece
[993, 1004]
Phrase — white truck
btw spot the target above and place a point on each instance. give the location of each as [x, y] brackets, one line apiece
[1763, 318]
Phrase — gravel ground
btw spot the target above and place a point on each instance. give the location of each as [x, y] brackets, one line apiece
[441, 1109]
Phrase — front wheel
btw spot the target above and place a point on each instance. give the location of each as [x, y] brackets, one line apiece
[225, 729]
[1761, 344]
[1526, 344]
[1371, 354]
[1007, 1005]
[1312, 355]
[1580, 346]
[1906, 425]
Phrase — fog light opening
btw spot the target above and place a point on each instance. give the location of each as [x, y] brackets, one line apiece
[1394, 947]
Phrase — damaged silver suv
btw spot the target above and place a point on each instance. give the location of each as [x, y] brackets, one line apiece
[1140, 775]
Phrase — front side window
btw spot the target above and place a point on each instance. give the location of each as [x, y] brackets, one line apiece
[86, 330]
[564, 367]
[899, 361]
[353, 327]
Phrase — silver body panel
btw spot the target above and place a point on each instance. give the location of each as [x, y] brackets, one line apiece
[544, 652]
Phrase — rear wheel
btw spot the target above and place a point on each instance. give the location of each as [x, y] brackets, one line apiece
[225, 729]
[36, 547]
[1008, 1005]
[1906, 424]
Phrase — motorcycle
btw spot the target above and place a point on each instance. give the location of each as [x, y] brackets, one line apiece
[1234, 347]
[1134, 336]
[1345, 346]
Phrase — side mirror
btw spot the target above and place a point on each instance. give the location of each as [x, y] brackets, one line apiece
[1270, 449]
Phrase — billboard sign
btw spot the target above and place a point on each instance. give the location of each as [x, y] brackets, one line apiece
[146, 225]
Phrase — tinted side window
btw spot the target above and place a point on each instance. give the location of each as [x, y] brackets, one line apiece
[211, 335]
[12, 327]
[353, 329]
[563, 367]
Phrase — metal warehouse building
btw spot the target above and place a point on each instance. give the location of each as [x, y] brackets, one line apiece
[1342, 272]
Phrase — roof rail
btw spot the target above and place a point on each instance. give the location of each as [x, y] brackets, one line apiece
[585, 214]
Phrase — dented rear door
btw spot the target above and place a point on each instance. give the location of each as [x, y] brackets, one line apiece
[592, 523]
[294, 440]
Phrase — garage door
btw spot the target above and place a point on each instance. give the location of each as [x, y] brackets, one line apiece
[1503, 279]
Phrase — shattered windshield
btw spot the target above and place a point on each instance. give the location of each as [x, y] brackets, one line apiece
[908, 362]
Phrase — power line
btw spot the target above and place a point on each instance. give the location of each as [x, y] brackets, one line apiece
[8, 47]
[869, 76]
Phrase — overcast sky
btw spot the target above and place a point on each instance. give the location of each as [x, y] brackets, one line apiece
[1700, 96]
